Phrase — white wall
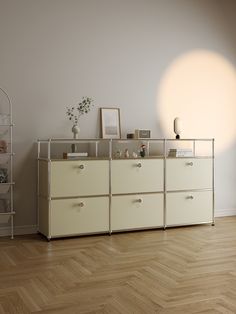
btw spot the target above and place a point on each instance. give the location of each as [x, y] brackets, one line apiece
[54, 52]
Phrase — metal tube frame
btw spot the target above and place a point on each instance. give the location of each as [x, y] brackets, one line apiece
[213, 182]
[164, 175]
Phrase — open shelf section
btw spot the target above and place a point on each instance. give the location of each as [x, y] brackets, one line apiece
[54, 148]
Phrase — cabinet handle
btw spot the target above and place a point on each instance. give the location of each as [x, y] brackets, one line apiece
[189, 163]
[189, 197]
[139, 165]
[139, 200]
[81, 166]
[81, 204]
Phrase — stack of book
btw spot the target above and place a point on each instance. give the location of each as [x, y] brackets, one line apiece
[76, 155]
[180, 152]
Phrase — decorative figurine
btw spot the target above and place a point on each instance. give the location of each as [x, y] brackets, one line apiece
[118, 154]
[3, 146]
[126, 153]
[142, 150]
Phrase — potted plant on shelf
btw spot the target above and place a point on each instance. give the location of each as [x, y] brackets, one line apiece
[76, 111]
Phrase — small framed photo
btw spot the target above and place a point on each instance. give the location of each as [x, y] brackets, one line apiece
[110, 122]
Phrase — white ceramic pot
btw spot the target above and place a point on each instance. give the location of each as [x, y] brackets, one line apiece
[75, 129]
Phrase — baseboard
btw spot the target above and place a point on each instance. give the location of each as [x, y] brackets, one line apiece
[225, 212]
[18, 230]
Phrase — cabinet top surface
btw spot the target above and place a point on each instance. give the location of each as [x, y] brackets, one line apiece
[120, 140]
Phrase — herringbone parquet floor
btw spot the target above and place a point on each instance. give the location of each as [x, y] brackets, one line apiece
[181, 270]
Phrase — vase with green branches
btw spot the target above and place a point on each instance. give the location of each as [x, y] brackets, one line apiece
[74, 113]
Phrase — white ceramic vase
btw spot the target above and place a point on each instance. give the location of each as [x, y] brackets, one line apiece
[75, 129]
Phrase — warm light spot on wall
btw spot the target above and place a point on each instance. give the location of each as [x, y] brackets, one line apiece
[200, 88]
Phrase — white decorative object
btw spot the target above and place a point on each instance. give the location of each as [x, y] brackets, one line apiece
[126, 153]
[118, 154]
[177, 127]
[142, 133]
[75, 129]
[76, 111]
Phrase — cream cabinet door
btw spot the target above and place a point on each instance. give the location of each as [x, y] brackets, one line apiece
[189, 207]
[79, 178]
[136, 175]
[136, 211]
[188, 173]
[79, 216]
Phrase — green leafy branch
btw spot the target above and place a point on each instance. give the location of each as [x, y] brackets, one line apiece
[74, 112]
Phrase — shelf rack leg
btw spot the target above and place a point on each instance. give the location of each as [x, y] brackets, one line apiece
[12, 225]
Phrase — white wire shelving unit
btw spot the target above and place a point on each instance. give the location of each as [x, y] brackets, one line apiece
[6, 162]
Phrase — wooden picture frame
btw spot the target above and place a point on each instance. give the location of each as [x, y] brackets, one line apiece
[110, 123]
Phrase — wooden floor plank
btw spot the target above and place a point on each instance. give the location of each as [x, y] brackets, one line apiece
[179, 270]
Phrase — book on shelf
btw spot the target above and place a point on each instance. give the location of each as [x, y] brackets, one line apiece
[74, 155]
[180, 152]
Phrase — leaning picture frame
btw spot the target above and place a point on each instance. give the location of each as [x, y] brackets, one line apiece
[110, 123]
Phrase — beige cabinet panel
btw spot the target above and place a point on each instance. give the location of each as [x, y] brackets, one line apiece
[188, 173]
[79, 178]
[136, 176]
[43, 178]
[137, 211]
[43, 217]
[81, 215]
[188, 207]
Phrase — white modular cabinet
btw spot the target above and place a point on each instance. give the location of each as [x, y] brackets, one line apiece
[190, 207]
[189, 191]
[137, 188]
[73, 197]
[137, 211]
[188, 174]
[78, 178]
[104, 193]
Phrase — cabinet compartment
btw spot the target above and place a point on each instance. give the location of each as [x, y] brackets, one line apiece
[79, 178]
[79, 216]
[136, 211]
[189, 207]
[188, 173]
[136, 176]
